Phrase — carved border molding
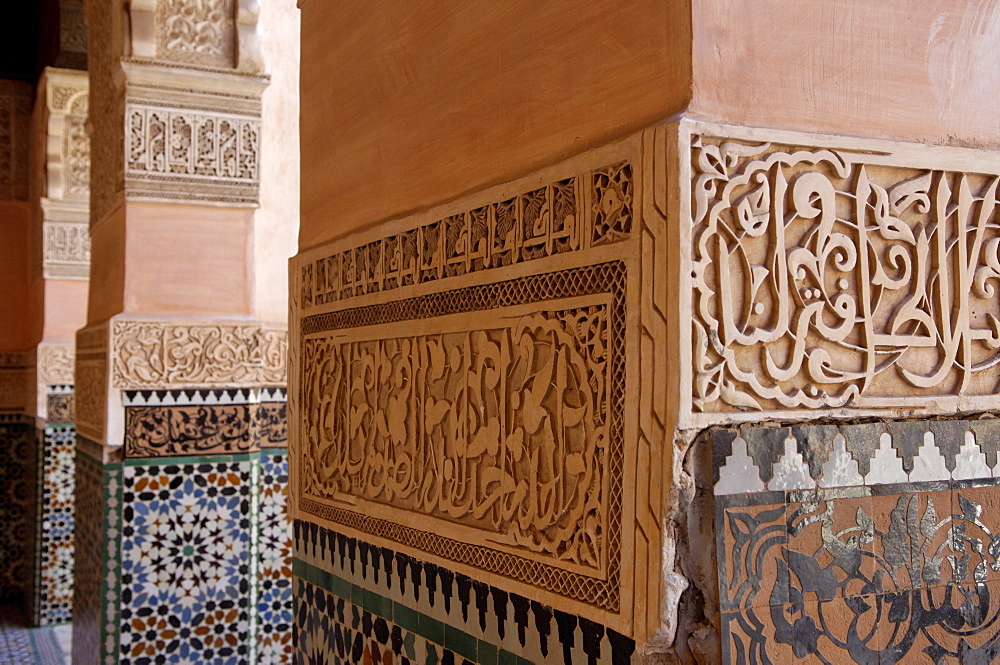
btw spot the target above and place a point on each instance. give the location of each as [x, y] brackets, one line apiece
[829, 273]
[572, 214]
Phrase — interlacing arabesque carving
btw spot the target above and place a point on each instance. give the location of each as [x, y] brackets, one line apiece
[826, 278]
[502, 429]
[150, 354]
[55, 363]
[591, 209]
[193, 144]
[196, 31]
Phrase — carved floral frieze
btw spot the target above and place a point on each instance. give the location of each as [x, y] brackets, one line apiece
[155, 354]
[196, 31]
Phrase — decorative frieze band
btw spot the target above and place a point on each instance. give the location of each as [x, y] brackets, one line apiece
[155, 354]
[55, 363]
[827, 274]
[589, 210]
[66, 250]
[187, 153]
[131, 355]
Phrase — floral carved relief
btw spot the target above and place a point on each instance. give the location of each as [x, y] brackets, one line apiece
[151, 354]
[824, 278]
[196, 31]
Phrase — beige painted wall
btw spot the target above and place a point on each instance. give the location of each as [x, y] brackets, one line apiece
[276, 223]
[923, 71]
[409, 103]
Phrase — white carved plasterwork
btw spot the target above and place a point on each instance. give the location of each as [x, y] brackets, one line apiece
[196, 31]
[185, 153]
[55, 363]
[827, 273]
[76, 157]
[168, 354]
[66, 249]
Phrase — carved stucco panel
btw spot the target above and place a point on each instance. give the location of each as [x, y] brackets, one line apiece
[834, 274]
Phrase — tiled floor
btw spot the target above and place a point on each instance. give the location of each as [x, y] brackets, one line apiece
[32, 646]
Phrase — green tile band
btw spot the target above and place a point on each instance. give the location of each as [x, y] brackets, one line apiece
[431, 629]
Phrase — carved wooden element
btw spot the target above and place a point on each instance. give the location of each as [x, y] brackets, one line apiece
[15, 108]
[826, 276]
[91, 382]
[462, 384]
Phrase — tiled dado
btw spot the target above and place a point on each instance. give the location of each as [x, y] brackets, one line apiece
[187, 558]
[52, 600]
[361, 603]
[873, 543]
[162, 423]
[17, 492]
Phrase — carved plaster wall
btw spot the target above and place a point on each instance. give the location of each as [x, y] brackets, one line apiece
[469, 383]
[65, 207]
[827, 274]
[126, 354]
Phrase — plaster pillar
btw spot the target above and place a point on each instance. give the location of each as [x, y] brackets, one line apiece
[653, 333]
[181, 367]
[60, 184]
[19, 333]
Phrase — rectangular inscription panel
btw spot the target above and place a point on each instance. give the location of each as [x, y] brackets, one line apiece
[490, 413]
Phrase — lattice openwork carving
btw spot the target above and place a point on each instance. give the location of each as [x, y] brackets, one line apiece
[827, 277]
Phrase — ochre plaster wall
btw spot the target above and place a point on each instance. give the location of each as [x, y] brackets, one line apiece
[409, 103]
[65, 308]
[158, 259]
[918, 71]
[18, 327]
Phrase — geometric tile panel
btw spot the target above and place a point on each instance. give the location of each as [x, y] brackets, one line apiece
[185, 566]
[360, 603]
[54, 599]
[274, 599]
[873, 543]
[90, 532]
[17, 514]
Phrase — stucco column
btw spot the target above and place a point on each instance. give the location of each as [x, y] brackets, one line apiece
[181, 368]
